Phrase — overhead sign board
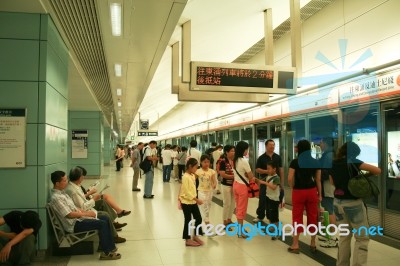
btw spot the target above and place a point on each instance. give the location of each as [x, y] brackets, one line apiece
[144, 124]
[142, 133]
[243, 78]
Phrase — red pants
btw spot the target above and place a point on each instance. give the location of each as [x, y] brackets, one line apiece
[241, 199]
[307, 198]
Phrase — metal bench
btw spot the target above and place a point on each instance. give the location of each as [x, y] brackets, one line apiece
[66, 239]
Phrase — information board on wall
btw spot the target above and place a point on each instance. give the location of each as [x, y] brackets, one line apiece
[79, 144]
[12, 138]
[224, 77]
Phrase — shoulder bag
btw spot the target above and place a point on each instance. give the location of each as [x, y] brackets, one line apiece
[253, 190]
[361, 186]
[145, 164]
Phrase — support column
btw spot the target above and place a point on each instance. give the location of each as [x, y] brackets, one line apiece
[295, 31]
[33, 75]
[93, 123]
[269, 37]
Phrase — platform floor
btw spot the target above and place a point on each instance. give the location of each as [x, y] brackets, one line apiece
[154, 234]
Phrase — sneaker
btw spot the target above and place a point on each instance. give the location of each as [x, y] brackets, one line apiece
[329, 244]
[218, 191]
[110, 256]
[148, 197]
[256, 220]
[118, 240]
[322, 238]
[274, 238]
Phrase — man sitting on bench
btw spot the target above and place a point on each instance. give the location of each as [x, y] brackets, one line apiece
[75, 220]
[18, 247]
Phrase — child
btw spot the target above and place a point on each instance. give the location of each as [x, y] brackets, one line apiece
[207, 184]
[272, 182]
[189, 202]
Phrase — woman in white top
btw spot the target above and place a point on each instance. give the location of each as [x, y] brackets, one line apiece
[242, 168]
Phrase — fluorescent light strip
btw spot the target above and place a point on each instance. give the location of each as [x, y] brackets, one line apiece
[119, 104]
[116, 20]
[118, 70]
[119, 92]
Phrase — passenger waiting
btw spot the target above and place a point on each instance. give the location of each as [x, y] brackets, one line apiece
[225, 167]
[207, 184]
[189, 204]
[18, 246]
[75, 192]
[75, 220]
[348, 208]
[304, 178]
[242, 171]
[181, 163]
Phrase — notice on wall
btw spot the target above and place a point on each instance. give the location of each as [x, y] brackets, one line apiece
[12, 138]
[79, 144]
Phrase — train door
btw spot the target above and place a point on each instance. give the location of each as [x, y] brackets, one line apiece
[292, 132]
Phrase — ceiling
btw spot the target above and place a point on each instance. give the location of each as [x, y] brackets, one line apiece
[222, 31]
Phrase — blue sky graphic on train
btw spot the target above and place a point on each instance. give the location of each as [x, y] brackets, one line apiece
[356, 128]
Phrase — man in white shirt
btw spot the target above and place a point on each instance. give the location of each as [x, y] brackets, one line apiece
[193, 152]
[167, 163]
[148, 183]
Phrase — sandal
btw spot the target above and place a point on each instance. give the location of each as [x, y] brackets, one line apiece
[110, 256]
[191, 243]
[313, 249]
[198, 240]
[123, 213]
[293, 250]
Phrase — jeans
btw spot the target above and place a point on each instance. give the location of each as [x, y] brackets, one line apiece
[102, 226]
[262, 202]
[188, 211]
[166, 174]
[353, 213]
[148, 183]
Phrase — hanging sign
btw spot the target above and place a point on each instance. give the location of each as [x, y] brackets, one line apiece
[146, 133]
[79, 144]
[246, 78]
[12, 138]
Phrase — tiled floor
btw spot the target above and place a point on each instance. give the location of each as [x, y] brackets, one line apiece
[154, 233]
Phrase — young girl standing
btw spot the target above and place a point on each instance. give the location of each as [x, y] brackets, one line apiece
[207, 184]
[189, 202]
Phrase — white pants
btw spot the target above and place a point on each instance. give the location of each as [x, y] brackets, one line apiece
[229, 202]
[206, 197]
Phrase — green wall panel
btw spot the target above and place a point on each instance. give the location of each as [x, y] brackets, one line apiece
[50, 33]
[52, 148]
[44, 231]
[24, 25]
[52, 69]
[19, 60]
[20, 190]
[44, 181]
[53, 107]
[24, 95]
[31, 144]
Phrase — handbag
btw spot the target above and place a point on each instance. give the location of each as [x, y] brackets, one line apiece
[253, 191]
[361, 186]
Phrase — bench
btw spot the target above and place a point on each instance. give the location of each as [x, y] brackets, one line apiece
[66, 239]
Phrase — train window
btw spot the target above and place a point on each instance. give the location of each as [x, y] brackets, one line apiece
[322, 127]
[233, 137]
[361, 126]
[295, 131]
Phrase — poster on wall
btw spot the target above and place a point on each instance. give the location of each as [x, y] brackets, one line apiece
[12, 137]
[79, 144]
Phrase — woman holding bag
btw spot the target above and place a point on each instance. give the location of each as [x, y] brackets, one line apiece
[348, 208]
[243, 174]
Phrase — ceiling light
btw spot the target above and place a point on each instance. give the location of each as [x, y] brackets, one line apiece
[119, 92]
[116, 20]
[119, 104]
[119, 111]
[118, 70]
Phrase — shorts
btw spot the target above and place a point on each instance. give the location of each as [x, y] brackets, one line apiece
[327, 203]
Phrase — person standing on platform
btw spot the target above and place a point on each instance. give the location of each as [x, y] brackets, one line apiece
[148, 155]
[119, 156]
[181, 163]
[349, 209]
[328, 189]
[193, 152]
[167, 162]
[136, 158]
[18, 246]
[225, 167]
[175, 161]
[261, 169]
[304, 178]
[189, 204]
